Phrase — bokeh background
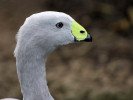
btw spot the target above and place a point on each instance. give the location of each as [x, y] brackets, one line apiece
[101, 70]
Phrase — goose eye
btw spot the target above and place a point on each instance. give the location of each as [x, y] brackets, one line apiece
[59, 25]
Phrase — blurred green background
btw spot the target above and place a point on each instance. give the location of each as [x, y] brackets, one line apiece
[101, 70]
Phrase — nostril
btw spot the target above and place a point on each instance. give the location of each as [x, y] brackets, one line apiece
[82, 31]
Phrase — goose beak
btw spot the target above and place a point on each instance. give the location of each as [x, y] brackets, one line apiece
[79, 33]
[87, 39]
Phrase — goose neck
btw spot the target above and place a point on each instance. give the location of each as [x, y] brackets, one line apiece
[32, 77]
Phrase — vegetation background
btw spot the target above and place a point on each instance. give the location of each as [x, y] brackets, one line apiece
[101, 70]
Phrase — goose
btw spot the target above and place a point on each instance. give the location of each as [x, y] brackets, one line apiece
[40, 34]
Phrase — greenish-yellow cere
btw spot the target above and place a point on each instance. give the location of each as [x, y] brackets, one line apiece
[76, 28]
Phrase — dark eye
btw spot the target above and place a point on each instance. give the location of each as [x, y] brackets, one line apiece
[59, 25]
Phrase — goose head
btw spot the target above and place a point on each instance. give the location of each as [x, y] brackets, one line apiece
[48, 30]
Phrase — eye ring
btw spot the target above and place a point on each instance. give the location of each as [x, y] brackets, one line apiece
[59, 25]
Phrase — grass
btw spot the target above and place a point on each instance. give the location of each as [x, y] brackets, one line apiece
[87, 95]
